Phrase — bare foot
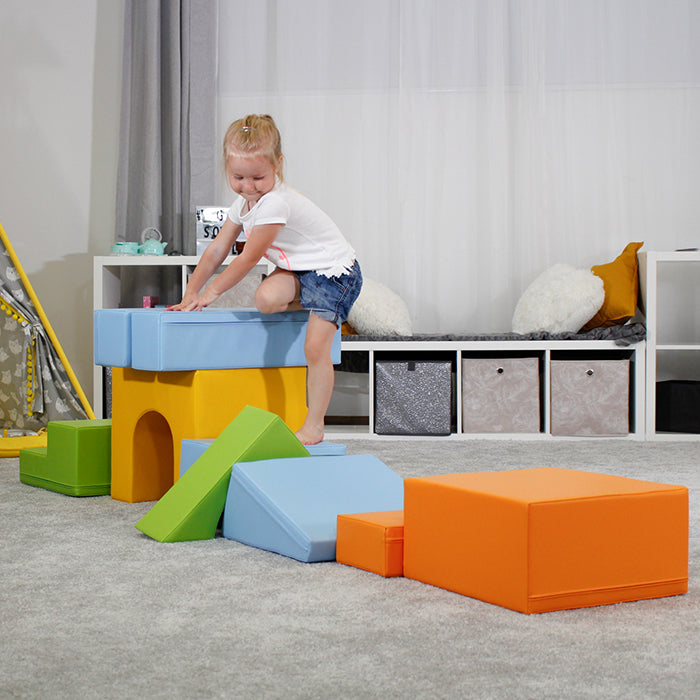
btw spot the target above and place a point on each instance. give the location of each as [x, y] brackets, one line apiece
[310, 434]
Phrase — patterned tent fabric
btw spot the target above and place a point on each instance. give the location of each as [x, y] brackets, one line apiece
[35, 386]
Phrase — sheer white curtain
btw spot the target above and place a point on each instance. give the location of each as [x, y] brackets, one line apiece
[464, 146]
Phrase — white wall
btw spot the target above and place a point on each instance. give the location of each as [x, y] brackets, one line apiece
[59, 133]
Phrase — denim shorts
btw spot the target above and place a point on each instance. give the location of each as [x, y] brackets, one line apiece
[330, 297]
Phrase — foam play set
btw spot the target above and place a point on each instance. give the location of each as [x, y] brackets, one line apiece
[531, 540]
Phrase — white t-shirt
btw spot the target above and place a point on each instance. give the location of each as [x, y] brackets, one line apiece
[308, 239]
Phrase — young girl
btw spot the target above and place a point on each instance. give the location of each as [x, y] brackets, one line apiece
[316, 267]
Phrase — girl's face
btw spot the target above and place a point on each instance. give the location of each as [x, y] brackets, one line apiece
[250, 176]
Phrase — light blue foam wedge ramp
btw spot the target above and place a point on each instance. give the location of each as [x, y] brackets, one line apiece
[159, 340]
[192, 450]
[192, 507]
[291, 506]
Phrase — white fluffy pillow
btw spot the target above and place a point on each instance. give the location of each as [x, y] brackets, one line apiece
[561, 299]
[379, 311]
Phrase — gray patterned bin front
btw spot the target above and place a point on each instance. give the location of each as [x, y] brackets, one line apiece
[590, 397]
[413, 397]
[500, 395]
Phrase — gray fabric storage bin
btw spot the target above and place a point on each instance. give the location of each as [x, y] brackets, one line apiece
[500, 395]
[413, 397]
[590, 397]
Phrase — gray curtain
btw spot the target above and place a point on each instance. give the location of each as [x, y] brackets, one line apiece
[168, 143]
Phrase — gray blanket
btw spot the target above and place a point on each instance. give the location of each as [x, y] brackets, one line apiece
[622, 335]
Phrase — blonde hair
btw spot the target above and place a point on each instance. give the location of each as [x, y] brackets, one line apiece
[256, 134]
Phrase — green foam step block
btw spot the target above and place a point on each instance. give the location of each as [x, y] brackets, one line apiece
[76, 460]
[192, 508]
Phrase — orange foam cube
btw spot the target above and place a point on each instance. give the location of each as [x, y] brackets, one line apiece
[371, 541]
[536, 540]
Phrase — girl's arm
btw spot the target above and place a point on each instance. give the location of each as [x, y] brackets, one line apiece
[260, 239]
[214, 254]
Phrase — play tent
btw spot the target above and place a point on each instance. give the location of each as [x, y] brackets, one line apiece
[37, 384]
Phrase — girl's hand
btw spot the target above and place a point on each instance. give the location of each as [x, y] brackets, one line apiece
[211, 260]
[196, 303]
[208, 296]
[188, 303]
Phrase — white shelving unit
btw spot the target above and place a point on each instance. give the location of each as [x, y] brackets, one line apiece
[670, 289]
[455, 350]
[109, 272]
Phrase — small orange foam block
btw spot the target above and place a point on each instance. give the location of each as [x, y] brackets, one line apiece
[536, 540]
[371, 541]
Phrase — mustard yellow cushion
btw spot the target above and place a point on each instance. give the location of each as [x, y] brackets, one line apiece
[621, 281]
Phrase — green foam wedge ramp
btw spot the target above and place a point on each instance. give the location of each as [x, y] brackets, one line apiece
[192, 508]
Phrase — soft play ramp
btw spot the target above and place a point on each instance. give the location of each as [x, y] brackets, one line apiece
[291, 506]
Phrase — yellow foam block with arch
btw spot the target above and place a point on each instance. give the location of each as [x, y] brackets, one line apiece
[152, 412]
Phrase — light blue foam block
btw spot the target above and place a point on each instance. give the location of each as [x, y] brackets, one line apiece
[192, 450]
[218, 339]
[290, 506]
[161, 340]
[112, 336]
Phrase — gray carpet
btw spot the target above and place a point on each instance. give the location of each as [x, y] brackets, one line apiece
[91, 608]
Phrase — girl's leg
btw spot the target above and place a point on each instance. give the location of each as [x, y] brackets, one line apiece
[279, 291]
[320, 377]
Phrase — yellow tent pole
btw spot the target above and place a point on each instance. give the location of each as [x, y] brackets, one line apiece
[47, 325]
